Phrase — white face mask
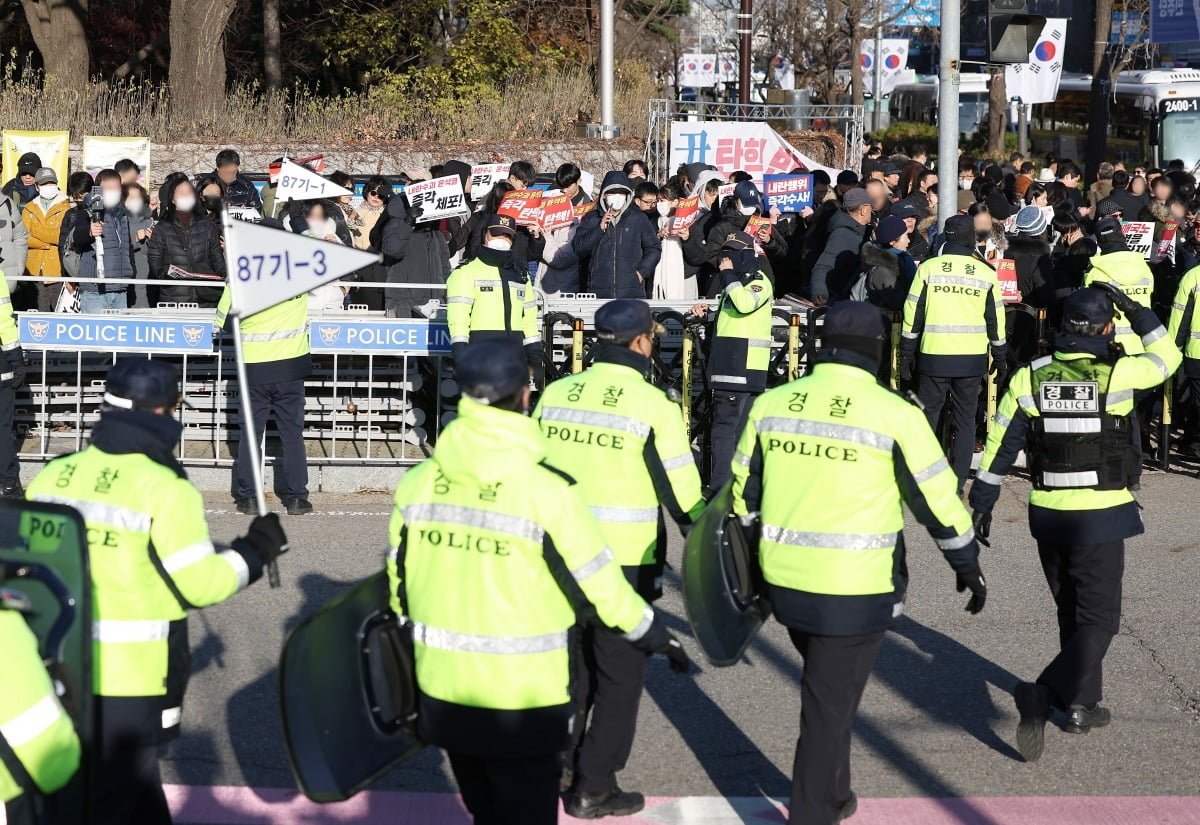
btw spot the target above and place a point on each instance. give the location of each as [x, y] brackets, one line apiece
[664, 208]
[110, 198]
[135, 206]
[48, 191]
[747, 210]
[616, 202]
[965, 183]
[499, 244]
[185, 203]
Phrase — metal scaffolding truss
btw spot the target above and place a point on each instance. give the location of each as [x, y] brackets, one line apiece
[845, 120]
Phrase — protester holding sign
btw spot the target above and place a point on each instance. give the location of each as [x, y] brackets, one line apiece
[415, 253]
[672, 279]
[559, 269]
[746, 203]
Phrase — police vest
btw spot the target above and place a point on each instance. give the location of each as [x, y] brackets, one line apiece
[614, 432]
[741, 348]
[151, 559]
[479, 299]
[956, 310]
[1129, 271]
[492, 554]
[1185, 315]
[10, 338]
[1074, 442]
[34, 728]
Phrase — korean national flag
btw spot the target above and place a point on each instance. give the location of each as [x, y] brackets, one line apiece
[1037, 80]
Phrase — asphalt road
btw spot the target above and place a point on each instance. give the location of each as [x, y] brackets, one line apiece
[937, 719]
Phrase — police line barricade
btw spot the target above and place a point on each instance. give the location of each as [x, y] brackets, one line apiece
[372, 398]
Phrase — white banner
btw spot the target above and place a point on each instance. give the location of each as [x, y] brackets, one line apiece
[754, 148]
[268, 266]
[697, 71]
[893, 56]
[1037, 80]
[297, 183]
[485, 176]
[437, 199]
[103, 153]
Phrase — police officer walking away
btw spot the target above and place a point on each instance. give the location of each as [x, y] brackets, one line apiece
[275, 346]
[152, 562]
[1071, 414]
[953, 312]
[834, 565]
[39, 749]
[627, 444]
[489, 297]
[12, 376]
[741, 348]
[495, 558]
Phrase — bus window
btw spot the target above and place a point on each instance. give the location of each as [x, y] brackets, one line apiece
[1181, 136]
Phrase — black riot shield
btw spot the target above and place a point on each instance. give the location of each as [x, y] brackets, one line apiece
[43, 550]
[347, 692]
[721, 583]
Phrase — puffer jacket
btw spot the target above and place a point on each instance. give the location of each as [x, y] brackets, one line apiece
[193, 248]
[616, 256]
[44, 227]
[414, 253]
[14, 240]
[118, 252]
[835, 271]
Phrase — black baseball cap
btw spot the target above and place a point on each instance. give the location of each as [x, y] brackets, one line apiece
[502, 225]
[905, 209]
[856, 326]
[142, 384]
[488, 371]
[28, 163]
[624, 319]
[960, 229]
[1085, 307]
[738, 241]
[847, 177]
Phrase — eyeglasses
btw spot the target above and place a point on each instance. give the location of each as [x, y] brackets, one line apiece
[648, 201]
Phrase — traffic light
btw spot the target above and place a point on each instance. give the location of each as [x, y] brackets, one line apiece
[1012, 31]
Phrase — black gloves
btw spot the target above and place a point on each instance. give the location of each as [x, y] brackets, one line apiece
[906, 361]
[1121, 301]
[999, 366]
[676, 656]
[16, 363]
[974, 582]
[660, 640]
[457, 349]
[982, 520]
[267, 538]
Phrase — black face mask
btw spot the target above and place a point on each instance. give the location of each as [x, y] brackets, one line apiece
[212, 204]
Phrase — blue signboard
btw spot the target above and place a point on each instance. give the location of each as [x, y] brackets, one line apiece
[46, 331]
[790, 193]
[381, 337]
[1173, 21]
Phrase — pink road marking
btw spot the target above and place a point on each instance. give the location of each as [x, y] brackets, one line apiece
[235, 805]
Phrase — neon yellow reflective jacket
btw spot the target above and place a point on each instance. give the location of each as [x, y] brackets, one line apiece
[626, 444]
[1132, 275]
[279, 333]
[480, 300]
[828, 460]
[955, 311]
[494, 558]
[32, 720]
[741, 347]
[1184, 327]
[152, 559]
[10, 337]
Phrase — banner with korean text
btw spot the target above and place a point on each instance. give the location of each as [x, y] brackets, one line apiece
[754, 148]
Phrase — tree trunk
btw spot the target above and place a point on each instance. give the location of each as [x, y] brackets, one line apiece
[1102, 32]
[58, 31]
[997, 111]
[272, 64]
[197, 74]
[857, 90]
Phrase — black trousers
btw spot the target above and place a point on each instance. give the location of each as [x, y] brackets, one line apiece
[1193, 419]
[835, 674]
[19, 811]
[730, 410]
[284, 403]
[964, 396]
[1086, 582]
[610, 675]
[509, 791]
[10, 470]
[127, 786]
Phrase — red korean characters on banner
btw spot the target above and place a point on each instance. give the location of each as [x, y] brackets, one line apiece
[557, 212]
[1006, 271]
[687, 210]
[516, 204]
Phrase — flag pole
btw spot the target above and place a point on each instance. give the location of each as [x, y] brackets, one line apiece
[248, 429]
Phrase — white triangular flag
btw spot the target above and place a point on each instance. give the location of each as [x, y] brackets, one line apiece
[296, 183]
[269, 266]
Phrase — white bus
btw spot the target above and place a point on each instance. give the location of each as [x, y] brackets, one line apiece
[1154, 116]
[918, 103]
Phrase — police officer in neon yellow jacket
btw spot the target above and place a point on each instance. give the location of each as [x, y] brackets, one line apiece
[741, 348]
[1071, 414]
[826, 462]
[275, 345]
[12, 377]
[627, 445]
[495, 559]
[490, 298]
[152, 562]
[35, 731]
[1126, 269]
[953, 313]
[1184, 329]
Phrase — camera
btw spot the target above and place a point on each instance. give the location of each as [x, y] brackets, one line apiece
[93, 202]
